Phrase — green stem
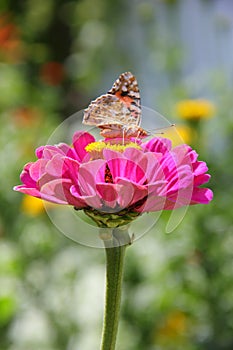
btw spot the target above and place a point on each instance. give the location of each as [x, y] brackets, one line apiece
[115, 253]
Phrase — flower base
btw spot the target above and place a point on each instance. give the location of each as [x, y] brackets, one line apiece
[111, 220]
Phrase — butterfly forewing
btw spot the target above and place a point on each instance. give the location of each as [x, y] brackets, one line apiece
[120, 106]
[126, 89]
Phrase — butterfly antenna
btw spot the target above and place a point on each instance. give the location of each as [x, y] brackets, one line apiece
[154, 132]
[167, 127]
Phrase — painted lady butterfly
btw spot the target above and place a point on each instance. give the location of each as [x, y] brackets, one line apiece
[117, 113]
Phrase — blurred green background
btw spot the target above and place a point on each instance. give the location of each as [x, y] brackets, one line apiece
[57, 55]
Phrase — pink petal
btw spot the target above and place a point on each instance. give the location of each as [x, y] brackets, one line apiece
[133, 154]
[184, 155]
[153, 169]
[58, 191]
[168, 162]
[108, 193]
[55, 166]
[202, 195]
[129, 192]
[39, 152]
[189, 196]
[60, 166]
[152, 203]
[55, 189]
[92, 201]
[157, 145]
[183, 178]
[48, 152]
[71, 169]
[37, 169]
[157, 188]
[87, 175]
[25, 177]
[109, 154]
[123, 168]
[178, 199]
[44, 179]
[201, 179]
[65, 149]
[199, 168]
[146, 161]
[30, 191]
[191, 154]
[80, 140]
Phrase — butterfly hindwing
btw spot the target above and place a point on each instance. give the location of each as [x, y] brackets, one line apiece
[106, 109]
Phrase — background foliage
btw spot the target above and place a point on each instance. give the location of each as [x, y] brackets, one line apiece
[55, 57]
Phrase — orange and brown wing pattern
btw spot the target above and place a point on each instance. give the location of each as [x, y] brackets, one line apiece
[120, 106]
[126, 89]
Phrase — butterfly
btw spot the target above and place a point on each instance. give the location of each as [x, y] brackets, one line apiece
[118, 113]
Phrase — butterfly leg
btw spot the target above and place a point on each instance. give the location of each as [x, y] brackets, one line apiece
[137, 137]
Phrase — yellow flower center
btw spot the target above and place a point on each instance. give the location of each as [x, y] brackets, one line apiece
[96, 148]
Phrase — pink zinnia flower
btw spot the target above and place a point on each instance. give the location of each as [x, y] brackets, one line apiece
[137, 177]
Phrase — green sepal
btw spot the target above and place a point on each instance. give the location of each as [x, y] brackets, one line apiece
[111, 220]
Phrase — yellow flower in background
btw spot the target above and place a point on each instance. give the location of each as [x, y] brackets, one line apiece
[32, 206]
[195, 109]
[180, 134]
[174, 326]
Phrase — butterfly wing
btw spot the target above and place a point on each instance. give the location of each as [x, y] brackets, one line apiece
[106, 109]
[126, 89]
[120, 106]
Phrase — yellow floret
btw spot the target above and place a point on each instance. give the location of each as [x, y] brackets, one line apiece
[96, 148]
